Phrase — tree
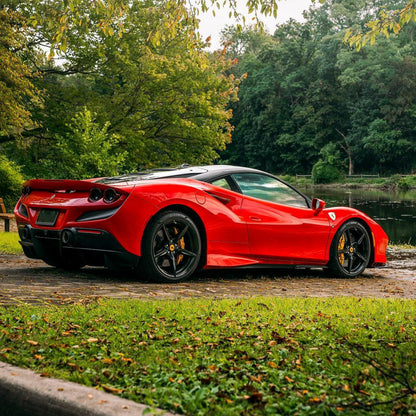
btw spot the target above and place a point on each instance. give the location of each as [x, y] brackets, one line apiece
[16, 87]
[87, 150]
[11, 181]
[391, 20]
[165, 101]
[306, 90]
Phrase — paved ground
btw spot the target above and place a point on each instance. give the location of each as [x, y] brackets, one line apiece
[24, 280]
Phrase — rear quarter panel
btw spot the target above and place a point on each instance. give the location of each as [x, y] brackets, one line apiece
[226, 232]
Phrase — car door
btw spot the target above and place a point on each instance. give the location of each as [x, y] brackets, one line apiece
[282, 228]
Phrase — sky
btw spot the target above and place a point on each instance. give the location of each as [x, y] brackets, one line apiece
[212, 26]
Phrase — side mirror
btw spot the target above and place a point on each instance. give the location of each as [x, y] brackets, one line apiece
[318, 205]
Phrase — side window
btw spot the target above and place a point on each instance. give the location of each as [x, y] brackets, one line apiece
[221, 183]
[269, 189]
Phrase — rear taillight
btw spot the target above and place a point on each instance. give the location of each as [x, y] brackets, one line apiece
[95, 194]
[108, 196]
[23, 211]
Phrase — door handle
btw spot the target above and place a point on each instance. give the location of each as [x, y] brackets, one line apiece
[255, 218]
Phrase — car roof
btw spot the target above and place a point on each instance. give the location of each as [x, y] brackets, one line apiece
[201, 173]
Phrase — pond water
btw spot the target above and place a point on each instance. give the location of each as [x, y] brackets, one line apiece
[395, 212]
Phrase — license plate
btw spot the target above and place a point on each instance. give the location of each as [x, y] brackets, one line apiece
[47, 217]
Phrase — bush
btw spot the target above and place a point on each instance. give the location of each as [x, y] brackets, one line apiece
[324, 172]
[406, 182]
[11, 181]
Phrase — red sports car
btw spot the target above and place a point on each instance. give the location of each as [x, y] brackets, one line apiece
[167, 223]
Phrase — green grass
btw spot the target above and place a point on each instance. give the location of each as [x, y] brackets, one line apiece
[9, 243]
[254, 356]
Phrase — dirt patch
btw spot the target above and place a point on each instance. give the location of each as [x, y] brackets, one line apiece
[30, 281]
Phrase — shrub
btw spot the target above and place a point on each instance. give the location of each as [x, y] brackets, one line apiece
[406, 182]
[324, 172]
[11, 181]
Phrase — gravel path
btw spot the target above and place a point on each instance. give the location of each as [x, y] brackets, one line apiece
[31, 281]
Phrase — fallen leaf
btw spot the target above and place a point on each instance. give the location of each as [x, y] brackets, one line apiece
[315, 400]
[110, 389]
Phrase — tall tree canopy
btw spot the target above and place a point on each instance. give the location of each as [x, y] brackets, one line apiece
[307, 95]
[163, 102]
[134, 79]
[16, 87]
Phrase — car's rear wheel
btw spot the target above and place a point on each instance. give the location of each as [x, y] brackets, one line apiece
[171, 248]
[350, 250]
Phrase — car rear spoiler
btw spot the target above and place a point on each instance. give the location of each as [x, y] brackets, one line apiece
[63, 185]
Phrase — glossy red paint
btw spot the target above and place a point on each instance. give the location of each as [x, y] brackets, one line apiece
[236, 230]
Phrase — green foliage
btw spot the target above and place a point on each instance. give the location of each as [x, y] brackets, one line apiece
[326, 170]
[305, 90]
[252, 356]
[163, 96]
[389, 22]
[16, 88]
[86, 151]
[83, 17]
[407, 182]
[399, 182]
[9, 243]
[323, 172]
[11, 181]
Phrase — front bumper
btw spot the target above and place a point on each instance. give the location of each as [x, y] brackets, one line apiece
[92, 246]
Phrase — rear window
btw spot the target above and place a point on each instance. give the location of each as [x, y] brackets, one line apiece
[154, 174]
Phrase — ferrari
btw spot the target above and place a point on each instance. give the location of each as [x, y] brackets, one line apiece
[169, 223]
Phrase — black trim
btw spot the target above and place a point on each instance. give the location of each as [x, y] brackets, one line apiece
[97, 215]
[93, 246]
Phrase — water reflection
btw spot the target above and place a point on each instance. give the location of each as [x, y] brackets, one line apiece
[395, 212]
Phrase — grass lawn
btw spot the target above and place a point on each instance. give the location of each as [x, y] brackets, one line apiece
[9, 243]
[253, 356]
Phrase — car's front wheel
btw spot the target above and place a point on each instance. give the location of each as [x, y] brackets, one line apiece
[171, 248]
[350, 250]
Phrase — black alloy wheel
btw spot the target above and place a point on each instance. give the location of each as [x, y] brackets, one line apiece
[350, 250]
[171, 248]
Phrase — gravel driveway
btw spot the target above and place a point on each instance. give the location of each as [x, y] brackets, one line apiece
[31, 281]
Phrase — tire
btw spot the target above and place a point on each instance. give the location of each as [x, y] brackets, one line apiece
[350, 250]
[171, 248]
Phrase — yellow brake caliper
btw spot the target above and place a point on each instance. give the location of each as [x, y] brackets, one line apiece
[341, 245]
[181, 244]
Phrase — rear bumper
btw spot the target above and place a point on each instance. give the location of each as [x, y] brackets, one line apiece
[92, 246]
